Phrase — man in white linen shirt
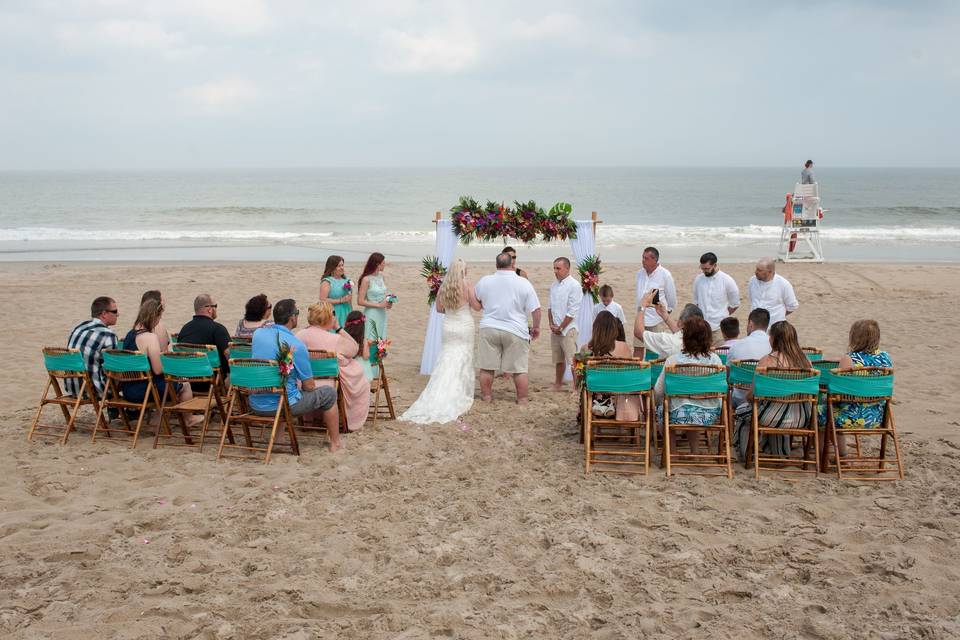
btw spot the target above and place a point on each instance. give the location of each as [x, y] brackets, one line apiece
[653, 276]
[772, 292]
[668, 343]
[565, 297]
[504, 342]
[753, 347]
[716, 293]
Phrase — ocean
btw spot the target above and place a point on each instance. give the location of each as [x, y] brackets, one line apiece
[903, 215]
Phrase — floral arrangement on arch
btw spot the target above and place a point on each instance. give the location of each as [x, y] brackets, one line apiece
[526, 222]
[590, 271]
[434, 272]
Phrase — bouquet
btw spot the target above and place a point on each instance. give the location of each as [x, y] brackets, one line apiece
[590, 271]
[391, 298]
[433, 271]
[284, 358]
[347, 286]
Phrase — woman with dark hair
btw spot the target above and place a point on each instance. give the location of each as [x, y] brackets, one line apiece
[697, 340]
[608, 340]
[355, 327]
[336, 288]
[161, 331]
[785, 354]
[372, 295]
[256, 314]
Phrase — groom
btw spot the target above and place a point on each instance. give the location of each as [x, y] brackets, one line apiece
[504, 334]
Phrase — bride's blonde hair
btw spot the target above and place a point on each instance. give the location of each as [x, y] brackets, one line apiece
[451, 291]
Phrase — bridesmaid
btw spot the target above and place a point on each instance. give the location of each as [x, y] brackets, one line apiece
[332, 289]
[372, 294]
[355, 328]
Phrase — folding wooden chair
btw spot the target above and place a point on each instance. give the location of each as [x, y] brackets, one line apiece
[174, 337]
[120, 367]
[864, 386]
[380, 383]
[188, 367]
[786, 386]
[813, 353]
[325, 366]
[698, 382]
[722, 352]
[617, 446]
[64, 364]
[249, 376]
[656, 368]
[213, 355]
[739, 378]
[240, 349]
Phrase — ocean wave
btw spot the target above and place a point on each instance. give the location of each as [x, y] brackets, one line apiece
[38, 234]
[241, 211]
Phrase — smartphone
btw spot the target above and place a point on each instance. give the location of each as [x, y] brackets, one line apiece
[656, 298]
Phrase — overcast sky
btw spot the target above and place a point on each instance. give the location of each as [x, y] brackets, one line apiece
[244, 83]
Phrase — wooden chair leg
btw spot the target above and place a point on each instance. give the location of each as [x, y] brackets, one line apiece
[756, 442]
[666, 434]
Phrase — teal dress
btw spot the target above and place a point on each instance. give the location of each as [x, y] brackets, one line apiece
[336, 291]
[376, 317]
[369, 370]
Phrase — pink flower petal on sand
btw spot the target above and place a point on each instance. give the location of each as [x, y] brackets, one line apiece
[146, 541]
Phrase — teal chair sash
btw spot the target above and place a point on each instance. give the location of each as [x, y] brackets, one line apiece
[125, 362]
[241, 352]
[814, 357]
[651, 355]
[213, 355]
[824, 367]
[618, 380]
[676, 384]
[325, 367]
[742, 373]
[186, 367]
[656, 368]
[72, 361]
[765, 386]
[877, 386]
[250, 376]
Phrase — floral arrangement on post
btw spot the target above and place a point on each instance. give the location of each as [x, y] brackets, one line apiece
[284, 358]
[590, 271]
[433, 271]
[378, 347]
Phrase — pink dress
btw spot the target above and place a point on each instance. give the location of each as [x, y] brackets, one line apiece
[356, 387]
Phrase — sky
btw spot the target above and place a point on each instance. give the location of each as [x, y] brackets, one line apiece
[181, 84]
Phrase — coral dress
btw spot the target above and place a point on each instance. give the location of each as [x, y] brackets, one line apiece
[353, 381]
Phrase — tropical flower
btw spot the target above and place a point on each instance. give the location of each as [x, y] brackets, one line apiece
[284, 357]
[590, 271]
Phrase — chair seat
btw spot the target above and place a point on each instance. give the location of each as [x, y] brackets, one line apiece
[66, 400]
[196, 404]
[786, 432]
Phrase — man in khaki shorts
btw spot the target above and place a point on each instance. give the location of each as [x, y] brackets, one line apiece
[504, 334]
[565, 296]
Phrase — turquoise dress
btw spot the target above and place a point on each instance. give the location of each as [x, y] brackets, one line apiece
[867, 415]
[369, 370]
[376, 292]
[336, 291]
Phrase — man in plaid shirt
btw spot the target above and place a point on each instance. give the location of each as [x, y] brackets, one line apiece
[91, 337]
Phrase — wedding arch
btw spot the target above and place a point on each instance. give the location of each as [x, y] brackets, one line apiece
[525, 222]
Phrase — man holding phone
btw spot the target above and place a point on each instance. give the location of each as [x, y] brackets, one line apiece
[653, 276]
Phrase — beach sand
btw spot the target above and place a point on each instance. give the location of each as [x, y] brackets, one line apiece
[487, 529]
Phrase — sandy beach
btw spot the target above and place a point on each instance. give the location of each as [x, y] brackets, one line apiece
[487, 529]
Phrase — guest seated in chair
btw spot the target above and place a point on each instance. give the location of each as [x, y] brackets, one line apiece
[697, 342]
[204, 329]
[255, 315]
[608, 340]
[864, 351]
[325, 334]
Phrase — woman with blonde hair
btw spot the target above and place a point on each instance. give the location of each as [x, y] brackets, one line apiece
[325, 333]
[449, 393]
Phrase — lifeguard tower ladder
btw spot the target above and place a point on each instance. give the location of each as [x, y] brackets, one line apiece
[801, 224]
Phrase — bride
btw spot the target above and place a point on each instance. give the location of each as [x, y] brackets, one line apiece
[449, 393]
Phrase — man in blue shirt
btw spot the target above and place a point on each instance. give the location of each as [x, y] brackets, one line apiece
[305, 397]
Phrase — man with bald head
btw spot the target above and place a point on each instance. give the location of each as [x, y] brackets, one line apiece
[771, 291]
[204, 329]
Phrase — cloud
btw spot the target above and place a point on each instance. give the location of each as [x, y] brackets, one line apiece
[132, 34]
[235, 17]
[555, 25]
[222, 95]
[443, 52]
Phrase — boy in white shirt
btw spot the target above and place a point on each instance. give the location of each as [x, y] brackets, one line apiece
[608, 304]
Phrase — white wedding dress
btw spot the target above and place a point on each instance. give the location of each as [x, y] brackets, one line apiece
[449, 393]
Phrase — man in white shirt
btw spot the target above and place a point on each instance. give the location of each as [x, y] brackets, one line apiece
[753, 347]
[772, 292]
[504, 343]
[565, 297]
[715, 293]
[664, 343]
[653, 276]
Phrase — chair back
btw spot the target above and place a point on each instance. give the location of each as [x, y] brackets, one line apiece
[722, 352]
[813, 353]
[256, 376]
[174, 337]
[241, 340]
[126, 365]
[695, 380]
[786, 383]
[617, 375]
[240, 350]
[66, 362]
[864, 384]
[825, 367]
[650, 355]
[324, 364]
[210, 350]
[186, 365]
[741, 372]
[656, 368]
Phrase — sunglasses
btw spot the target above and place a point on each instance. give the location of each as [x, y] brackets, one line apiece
[113, 311]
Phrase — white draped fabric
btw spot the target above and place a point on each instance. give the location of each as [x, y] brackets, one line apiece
[585, 244]
[447, 241]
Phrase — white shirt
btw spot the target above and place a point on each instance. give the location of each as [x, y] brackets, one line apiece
[659, 279]
[666, 344]
[614, 308]
[753, 347]
[775, 295]
[507, 299]
[565, 298]
[714, 295]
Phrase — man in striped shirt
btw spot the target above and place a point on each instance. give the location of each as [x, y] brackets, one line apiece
[91, 337]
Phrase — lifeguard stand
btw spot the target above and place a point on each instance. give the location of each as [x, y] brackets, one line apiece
[801, 224]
